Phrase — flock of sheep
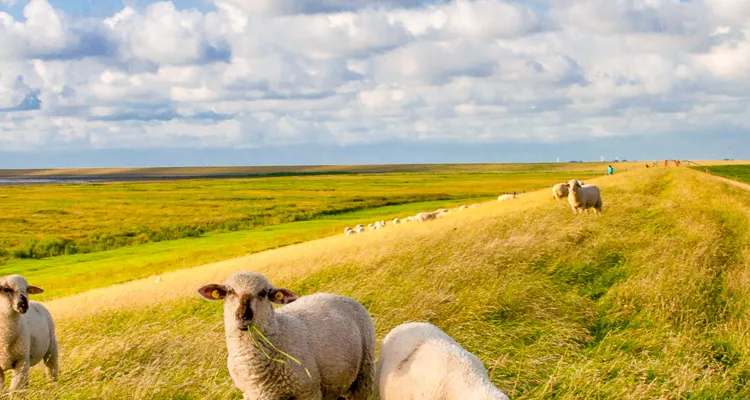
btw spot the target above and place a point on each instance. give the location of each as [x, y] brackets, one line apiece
[328, 340]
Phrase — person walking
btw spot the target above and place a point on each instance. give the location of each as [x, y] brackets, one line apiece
[610, 170]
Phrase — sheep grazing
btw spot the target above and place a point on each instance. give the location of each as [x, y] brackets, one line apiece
[349, 231]
[27, 333]
[420, 361]
[332, 337]
[409, 219]
[425, 216]
[379, 224]
[506, 196]
[583, 197]
[559, 191]
[475, 205]
[360, 228]
[396, 221]
[464, 207]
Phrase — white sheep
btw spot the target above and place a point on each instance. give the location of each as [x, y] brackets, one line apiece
[379, 224]
[371, 227]
[419, 361]
[409, 218]
[425, 216]
[463, 207]
[350, 232]
[475, 205]
[331, 336]
[506, 196]
[347, 230]
[559, 191]
[360, 228]
[396, 221]
[27, 333]
[583, 197]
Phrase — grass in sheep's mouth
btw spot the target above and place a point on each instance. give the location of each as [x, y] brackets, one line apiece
[255, 329]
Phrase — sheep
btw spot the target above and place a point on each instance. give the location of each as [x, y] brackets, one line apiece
[360, 228]
[350, 231]
[475, 205]
[410, 218]
[464, 207]
[332, 337]
[504, 197]
[396, 221]
[559, 191]
[371, 227]
[583, 197]
[441, 210]
[425, 216]
[420, 361]
[27, 333]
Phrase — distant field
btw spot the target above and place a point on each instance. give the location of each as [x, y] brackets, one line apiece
[737, 172]
[41, 221]
[145, 173]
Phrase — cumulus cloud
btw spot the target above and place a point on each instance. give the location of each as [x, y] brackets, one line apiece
[258, 74]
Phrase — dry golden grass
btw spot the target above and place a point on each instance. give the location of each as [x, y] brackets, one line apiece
[649, 300]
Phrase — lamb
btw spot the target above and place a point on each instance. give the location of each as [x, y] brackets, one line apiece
[27, 333]
[583, 197]
[420, 361]
[506, 196]
[360, 228]
[559, 191]
[396, 221]
[349, 231]
[332, 337]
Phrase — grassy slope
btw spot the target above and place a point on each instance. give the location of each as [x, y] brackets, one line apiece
[49, 220]
[649, 300]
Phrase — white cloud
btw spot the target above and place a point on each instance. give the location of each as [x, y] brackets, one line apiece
[269, 73]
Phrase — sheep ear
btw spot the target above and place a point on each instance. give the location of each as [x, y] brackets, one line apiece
[34, 290]
[281, 296]
[213, 292]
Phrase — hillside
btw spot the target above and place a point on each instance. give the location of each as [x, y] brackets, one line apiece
[649, 300]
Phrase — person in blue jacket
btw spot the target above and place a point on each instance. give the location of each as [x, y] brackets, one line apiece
[610, 170]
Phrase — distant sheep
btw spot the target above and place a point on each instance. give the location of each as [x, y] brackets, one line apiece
[506, 196]
[359, 228]
[350, 231]
[559, 191]
[396, 221]
[475, 205]
[332, 337]
[464, 207]
[418, 361]
[379, 224]
[583, 197]
[27, 333]
[371, 227]
[409, 219]
[441, 210]
[425, 216]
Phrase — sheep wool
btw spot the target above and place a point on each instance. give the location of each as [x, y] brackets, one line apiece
[584, 197]
[418, 361]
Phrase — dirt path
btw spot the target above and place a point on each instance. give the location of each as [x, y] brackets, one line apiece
[740, 185]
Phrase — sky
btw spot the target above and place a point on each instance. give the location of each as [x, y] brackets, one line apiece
[106, 83]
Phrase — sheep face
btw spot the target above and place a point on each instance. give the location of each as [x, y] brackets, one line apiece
[573, 185]
[248, 298]
[15, 291]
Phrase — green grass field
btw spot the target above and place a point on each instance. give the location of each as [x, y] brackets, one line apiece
[50, 220]
[736, 172]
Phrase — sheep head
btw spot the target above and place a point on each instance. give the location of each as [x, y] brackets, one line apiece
[248, 299]
[15, 290]
[573, 185]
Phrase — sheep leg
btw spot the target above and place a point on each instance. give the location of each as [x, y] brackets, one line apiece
[51, 361]
[20, 376]
[364, 384]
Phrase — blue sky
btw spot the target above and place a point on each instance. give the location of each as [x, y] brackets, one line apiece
[228, 82]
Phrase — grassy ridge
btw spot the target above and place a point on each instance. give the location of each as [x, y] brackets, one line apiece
[649, 300]
[50, 220]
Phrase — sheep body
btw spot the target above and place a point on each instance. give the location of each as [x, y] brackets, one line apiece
[332, 336]
[425, 216]
[559, 191]
[506, 196]
[396, 221]
[584, 197]
[420, 361]
[27, 333]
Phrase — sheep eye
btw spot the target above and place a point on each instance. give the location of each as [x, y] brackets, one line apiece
[7, 290]
[263, 293]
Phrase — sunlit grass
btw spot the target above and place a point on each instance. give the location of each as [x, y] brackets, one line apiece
[649, 300]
